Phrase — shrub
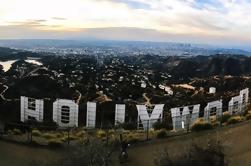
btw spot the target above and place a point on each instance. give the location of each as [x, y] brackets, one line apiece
[129, 126]
[19, 125]
[17, 132]
[111, 132]
[194, 155]
[234, 120]
[58, 135]
[225, 117]
[55, 143]
[33, 142]
[114, 139]
[132, 138]
[248, 116]
[161, 125]
[201, 125]
[49, 135]
[213, 121]
[10, 132]
[70, 138]
[162, 133]
[101, 133]
[80, 133]
[36, 132]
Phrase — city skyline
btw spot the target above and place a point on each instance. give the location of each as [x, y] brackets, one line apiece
[222, 22]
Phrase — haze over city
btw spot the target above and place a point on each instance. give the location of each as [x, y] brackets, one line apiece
[219, 22]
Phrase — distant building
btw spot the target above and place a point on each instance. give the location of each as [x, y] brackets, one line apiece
[121, 78]
[169, 90]
[143, 85]
[212, 90]
[162, 87]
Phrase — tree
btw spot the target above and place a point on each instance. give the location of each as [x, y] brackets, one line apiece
[1, 69]
[232, 67]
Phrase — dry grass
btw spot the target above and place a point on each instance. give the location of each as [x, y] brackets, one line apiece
[234, 120]
[36, 132]
[16, 132]
[49, 135]
[200, 125]
[101, 134]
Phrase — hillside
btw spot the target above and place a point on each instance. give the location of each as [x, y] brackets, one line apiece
[235, 140]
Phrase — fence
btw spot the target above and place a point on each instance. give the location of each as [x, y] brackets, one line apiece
[140, 130]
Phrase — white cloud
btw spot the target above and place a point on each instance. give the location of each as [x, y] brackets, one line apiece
[221, 18]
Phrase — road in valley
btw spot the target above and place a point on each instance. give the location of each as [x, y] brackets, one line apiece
[2, 93]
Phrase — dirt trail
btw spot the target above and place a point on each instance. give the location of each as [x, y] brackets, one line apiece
[79, 96]
[148, 100]
[2, 93]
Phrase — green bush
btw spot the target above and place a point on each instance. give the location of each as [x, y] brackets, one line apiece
[234, 120]
[162, 133]
[225, 117]
[55, 143]
[201, 125]
[17, 132]
[36, 132]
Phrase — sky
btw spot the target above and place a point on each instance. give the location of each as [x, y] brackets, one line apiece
[223, 22]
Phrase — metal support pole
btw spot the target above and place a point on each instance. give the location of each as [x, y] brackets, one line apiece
[188, 122]
[107, 133]
[31, 135]
[68, 140]
[138, 122]
[121, 137]
[147, 132]
[28, 136]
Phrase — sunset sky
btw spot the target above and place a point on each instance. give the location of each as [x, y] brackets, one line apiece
[206, 21]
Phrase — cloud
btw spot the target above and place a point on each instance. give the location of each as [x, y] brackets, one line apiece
[206, 19]
[134, 4]
[117, 33]
[29, 23]
[59, 18]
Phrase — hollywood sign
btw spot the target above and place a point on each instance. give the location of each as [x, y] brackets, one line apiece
[65, 112]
